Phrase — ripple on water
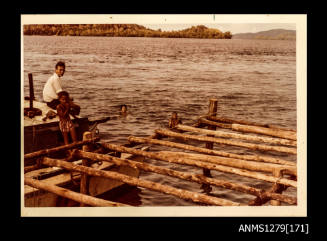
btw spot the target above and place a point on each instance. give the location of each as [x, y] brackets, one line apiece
[157, 76]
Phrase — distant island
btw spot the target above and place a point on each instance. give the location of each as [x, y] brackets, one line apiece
[274, 34]
[122, 30]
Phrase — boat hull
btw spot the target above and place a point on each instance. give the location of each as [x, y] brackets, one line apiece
[97, 185]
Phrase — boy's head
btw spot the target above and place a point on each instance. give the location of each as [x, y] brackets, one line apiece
[63, 96]
[123, 108]
[60, 68]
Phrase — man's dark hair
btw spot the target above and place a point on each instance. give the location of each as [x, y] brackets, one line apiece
[60, 63]
[63, 93]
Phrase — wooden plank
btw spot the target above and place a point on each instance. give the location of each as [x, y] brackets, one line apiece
[249, 165]
[253, 129]
[182, 175]
[257, 158]
[65, 178]
[45, 152]
[237, 136]
[243, 122]
[184, 194]
[63, 192]
[251, 146]
[201, 164]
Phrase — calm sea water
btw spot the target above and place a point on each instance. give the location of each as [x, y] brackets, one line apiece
[253, 80]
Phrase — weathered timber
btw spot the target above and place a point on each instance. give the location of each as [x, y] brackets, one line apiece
[277, 188]
[82, 198]
[201, 164]
[30, 79]
[237, 136]
[210, 152]
[213, 123]
[253, 129]
[183, 175]
[45, 152]
[184, 194]
[251, 146]
[213, 106]
[267, 131]
[243, 122]
[249, 165]
[84, 185]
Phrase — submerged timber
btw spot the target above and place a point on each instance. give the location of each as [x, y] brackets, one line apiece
[104, 165]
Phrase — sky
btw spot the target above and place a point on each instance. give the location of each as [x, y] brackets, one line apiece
[234, 28]
[235, 23]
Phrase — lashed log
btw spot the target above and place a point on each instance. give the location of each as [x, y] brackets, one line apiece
[253, 129]
[251, 146]
[243, 122]
[45, 152]
[237, 136]
[249, 165]
[267, 131]
[210, 152]
[63, 192]
[184, 194]
[184, 175]
[200, 164]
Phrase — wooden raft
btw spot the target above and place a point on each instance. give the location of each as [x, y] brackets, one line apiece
[258, 153]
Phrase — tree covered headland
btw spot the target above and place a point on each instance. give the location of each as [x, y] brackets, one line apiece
[122, 30]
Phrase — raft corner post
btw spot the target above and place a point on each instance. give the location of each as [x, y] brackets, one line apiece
[84, 177]
[213, 106]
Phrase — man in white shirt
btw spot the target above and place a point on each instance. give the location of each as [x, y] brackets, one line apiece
[53, 86]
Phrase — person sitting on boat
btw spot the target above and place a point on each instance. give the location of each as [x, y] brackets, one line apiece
[53, 86]
[65, 124]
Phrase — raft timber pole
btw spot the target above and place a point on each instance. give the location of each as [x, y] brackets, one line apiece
[279, 172]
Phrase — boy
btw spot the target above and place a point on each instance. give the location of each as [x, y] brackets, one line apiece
[63, 110]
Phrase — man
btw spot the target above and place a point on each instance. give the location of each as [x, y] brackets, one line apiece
[53, 86]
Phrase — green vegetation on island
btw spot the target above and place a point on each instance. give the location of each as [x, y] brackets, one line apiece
[122, 30]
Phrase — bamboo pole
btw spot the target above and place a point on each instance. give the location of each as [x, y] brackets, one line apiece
[59, 148]
[201, 164]
[249, 165]
[183, 175]
[237, 136]
[63, 192]
[184, 194]
[84, 185]
[253, 129]
[251, 146]
[211, 152]
[231, 121]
